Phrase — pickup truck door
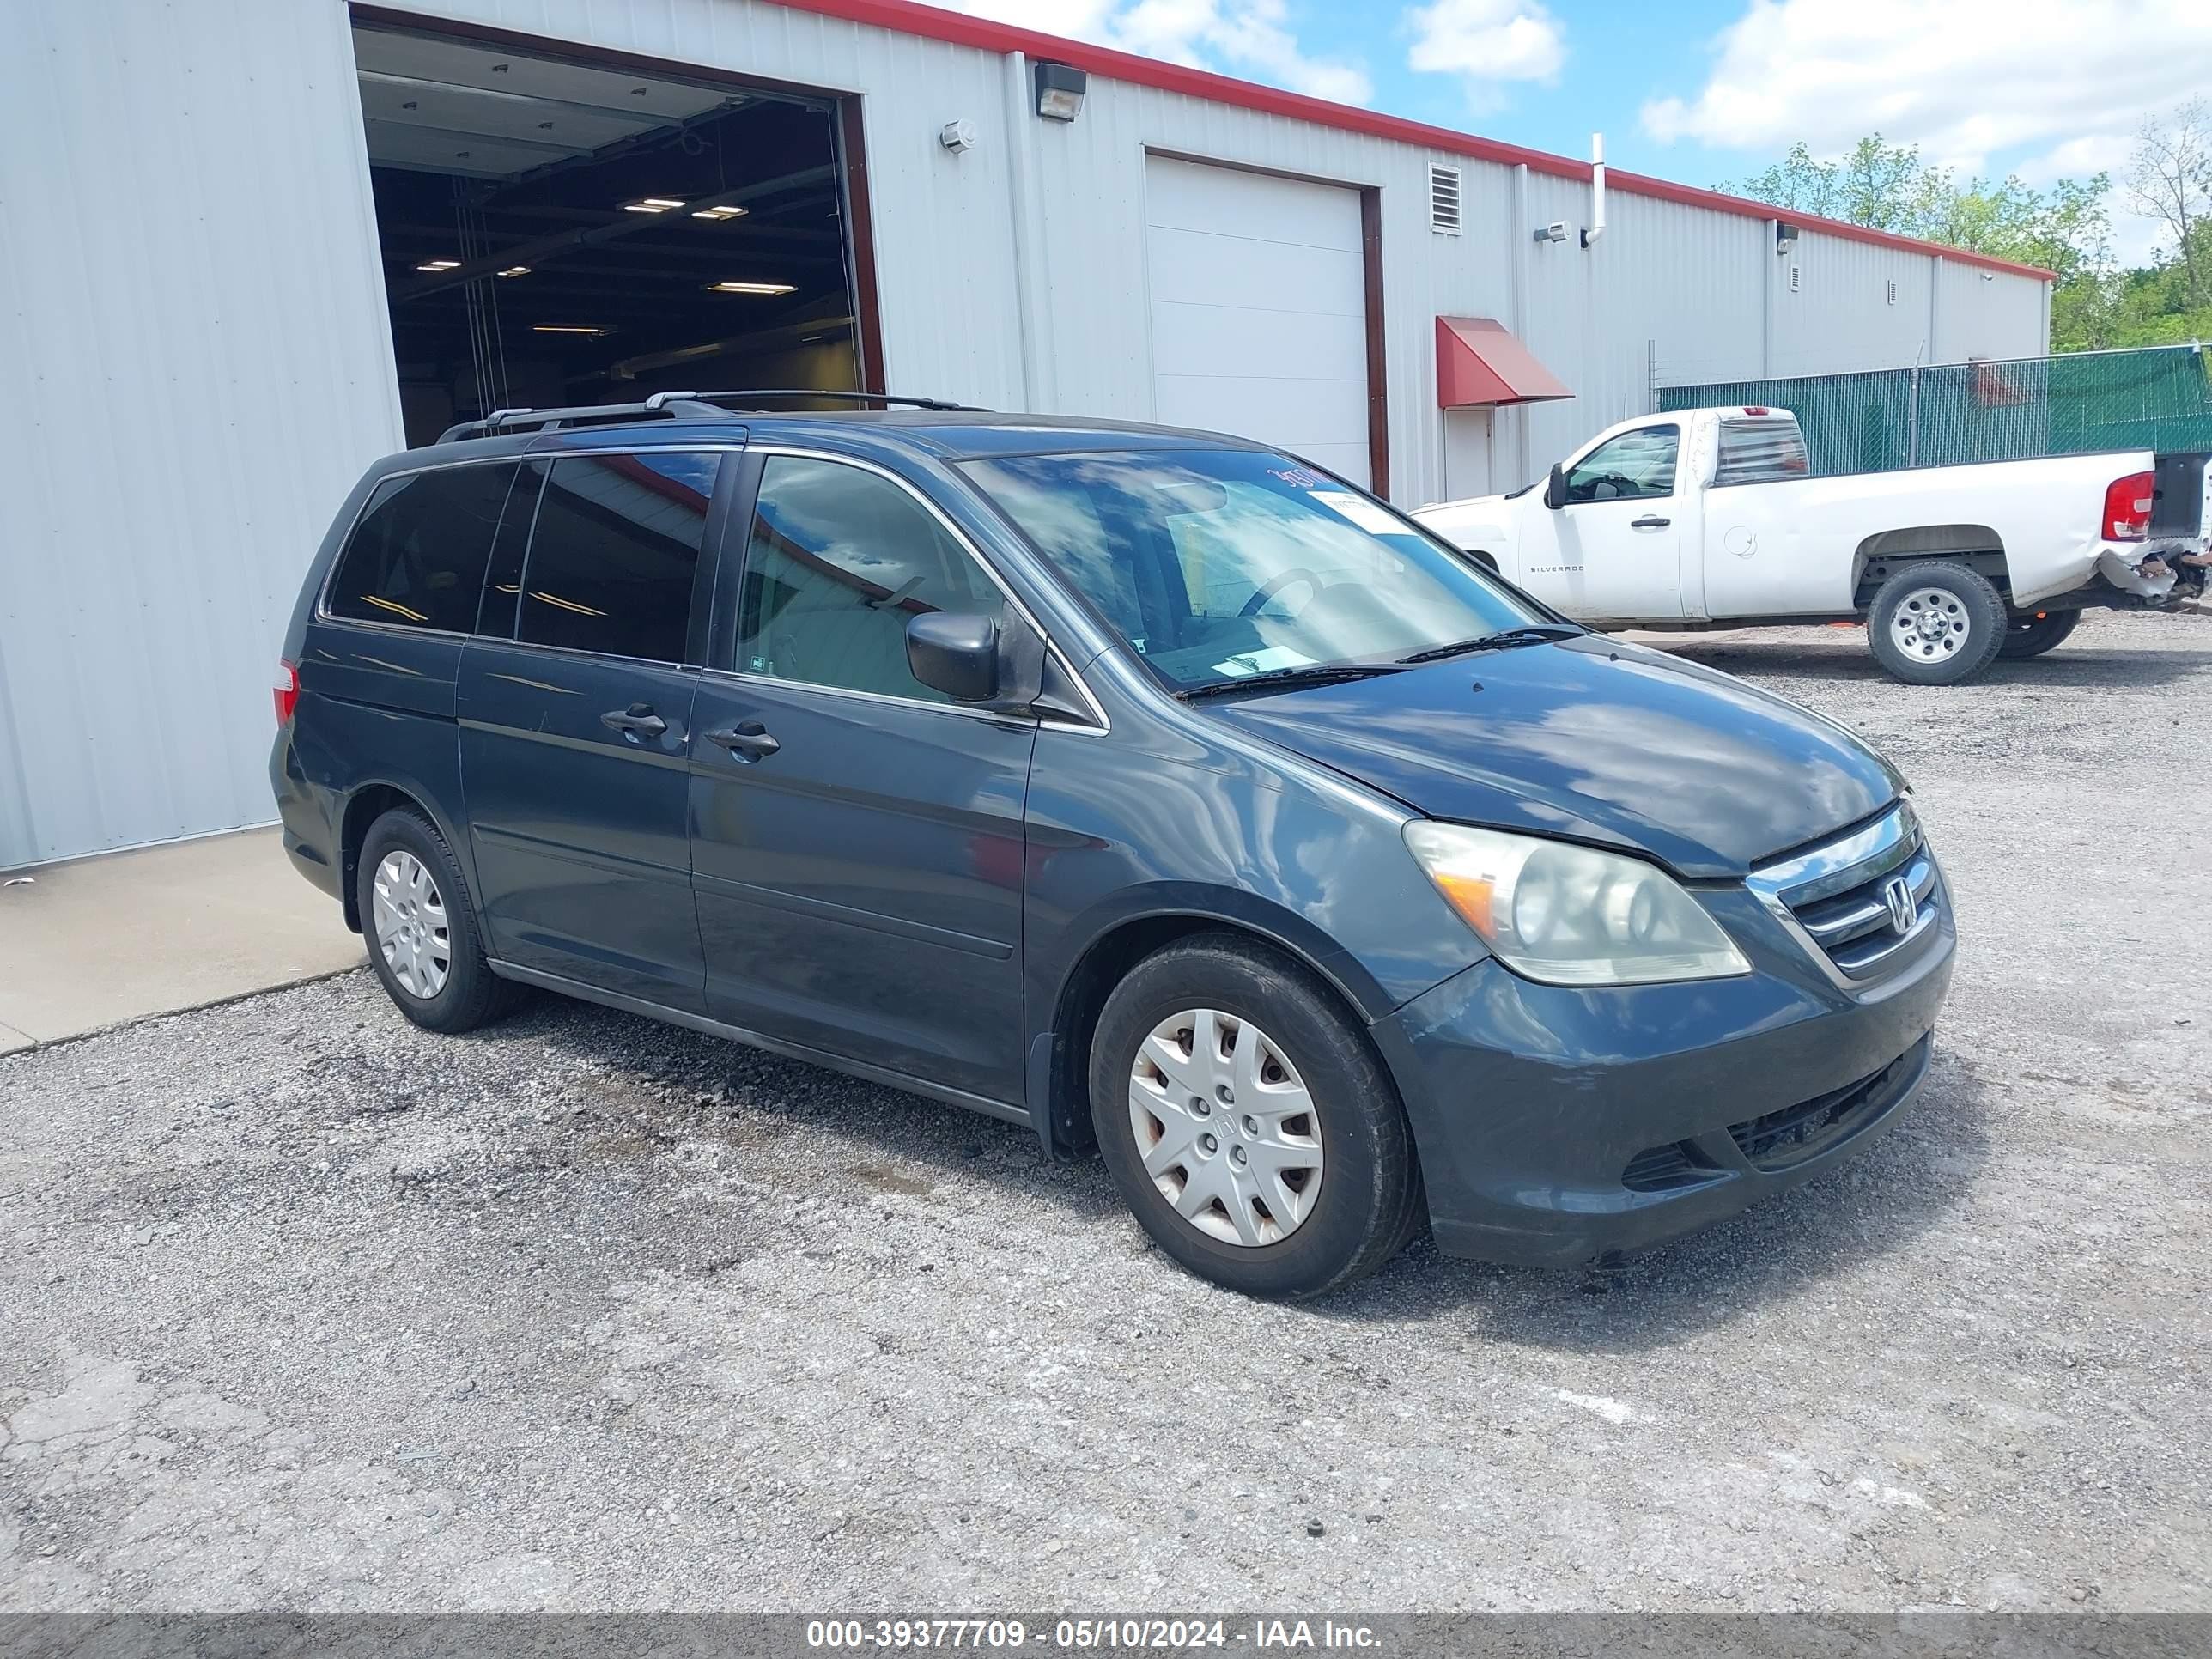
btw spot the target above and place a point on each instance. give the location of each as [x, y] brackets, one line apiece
[1614, 550]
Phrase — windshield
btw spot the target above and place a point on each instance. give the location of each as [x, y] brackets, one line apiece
[1219, 564]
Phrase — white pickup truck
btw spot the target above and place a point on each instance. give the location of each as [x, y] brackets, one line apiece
[1707, 518]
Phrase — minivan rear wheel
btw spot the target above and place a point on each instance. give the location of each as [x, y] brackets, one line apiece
[421, 926]
[1247, 1123]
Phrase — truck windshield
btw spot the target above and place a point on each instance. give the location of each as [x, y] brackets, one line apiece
[1220, 565]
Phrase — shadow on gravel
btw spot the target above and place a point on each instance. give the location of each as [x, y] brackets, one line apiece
[1906, 1184]
[2068, 668]
[1878, 1205]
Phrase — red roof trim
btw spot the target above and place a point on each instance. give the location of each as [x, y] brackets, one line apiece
[958, 28]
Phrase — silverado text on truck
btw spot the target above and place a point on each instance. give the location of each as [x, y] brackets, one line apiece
[1710, 516]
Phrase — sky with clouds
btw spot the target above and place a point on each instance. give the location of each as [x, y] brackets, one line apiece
[1708, 90]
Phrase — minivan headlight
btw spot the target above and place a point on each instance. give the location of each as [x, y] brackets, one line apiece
[1571, 915]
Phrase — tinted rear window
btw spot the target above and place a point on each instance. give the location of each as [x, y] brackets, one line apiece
[615, 554]
[417, 557]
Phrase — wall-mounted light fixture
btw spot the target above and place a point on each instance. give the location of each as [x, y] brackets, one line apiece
[1558, 231]
[1785, 238]
[958, 136]
[1060, 89]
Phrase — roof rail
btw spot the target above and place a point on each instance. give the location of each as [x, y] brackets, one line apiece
[757, 399]
[660, 406]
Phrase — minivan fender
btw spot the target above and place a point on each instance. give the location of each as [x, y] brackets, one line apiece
[1069, 985]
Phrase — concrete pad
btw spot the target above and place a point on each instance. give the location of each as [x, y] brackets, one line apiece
[93, 942]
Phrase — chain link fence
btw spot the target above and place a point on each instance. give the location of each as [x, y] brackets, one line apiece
[2158, 398]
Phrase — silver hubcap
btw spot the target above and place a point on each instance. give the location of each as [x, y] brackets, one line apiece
[1225, 1127]
[409, 918]
[1931, 624]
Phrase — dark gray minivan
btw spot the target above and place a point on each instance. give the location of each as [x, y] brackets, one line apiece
[1152, 788]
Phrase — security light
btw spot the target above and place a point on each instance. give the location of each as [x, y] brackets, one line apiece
[1785, 238]
[1060, 89]
[1557, 231]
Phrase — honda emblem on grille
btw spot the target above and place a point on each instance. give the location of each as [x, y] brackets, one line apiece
[1904, 909]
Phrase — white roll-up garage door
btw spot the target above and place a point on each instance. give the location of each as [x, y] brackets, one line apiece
[1259, 307]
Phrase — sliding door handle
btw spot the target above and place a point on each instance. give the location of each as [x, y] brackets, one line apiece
[636, 721]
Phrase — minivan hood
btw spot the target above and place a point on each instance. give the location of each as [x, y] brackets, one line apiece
[1591, 738]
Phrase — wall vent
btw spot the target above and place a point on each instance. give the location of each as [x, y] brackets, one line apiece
[1443, 199]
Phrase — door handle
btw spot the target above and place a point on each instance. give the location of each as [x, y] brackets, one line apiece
[638, 720]
[1650, 521]
[749, 740]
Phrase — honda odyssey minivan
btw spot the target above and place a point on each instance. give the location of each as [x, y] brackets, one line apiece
[1154, 789]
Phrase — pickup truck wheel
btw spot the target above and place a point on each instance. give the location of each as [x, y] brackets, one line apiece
[1935, 624]
[2033, 635]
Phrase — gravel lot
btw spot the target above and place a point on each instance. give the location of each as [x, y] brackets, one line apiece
[302, 1307]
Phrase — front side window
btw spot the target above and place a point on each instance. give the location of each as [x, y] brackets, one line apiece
[1216, 565]
[1632, 467]
[416, 556]
[616, 552]
[837, 559]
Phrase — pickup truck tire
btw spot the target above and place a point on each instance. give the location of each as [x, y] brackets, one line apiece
[1936, 623]
[2032, 635]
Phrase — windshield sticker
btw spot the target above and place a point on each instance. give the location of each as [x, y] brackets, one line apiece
[1361, 510]
[1260, 661]
[1299, 477]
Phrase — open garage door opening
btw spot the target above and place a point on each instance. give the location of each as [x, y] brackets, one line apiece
[561, 231]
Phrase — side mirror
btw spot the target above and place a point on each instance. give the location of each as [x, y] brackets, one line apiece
[1555, 488]
[993, 660]
[955, 653]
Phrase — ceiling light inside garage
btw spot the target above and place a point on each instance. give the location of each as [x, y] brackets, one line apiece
[720, 213]
[652, 204]
[587, 330]
[748, 288]
[516, 271]
[440, 265]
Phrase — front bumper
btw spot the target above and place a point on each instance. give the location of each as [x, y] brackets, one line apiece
[1555, 1125]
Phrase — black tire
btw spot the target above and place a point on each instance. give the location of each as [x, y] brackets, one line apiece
[2033, 635]
[471, 994]
[1971, 603]
[1367, 1206]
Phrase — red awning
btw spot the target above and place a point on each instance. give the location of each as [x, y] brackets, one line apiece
[1479, 363]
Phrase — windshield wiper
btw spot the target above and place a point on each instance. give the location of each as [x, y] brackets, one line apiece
[1276, 679]
[1505, 639]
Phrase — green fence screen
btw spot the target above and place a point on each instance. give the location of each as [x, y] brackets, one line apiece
[2159, 398]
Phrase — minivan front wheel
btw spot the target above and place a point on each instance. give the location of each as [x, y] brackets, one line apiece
[422, 928]
[1247, 1123]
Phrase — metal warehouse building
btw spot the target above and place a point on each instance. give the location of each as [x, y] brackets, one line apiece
[246, 247]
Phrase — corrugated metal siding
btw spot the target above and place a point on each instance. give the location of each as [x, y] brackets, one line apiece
[193, 312]
[1986, 313]
[237, 309]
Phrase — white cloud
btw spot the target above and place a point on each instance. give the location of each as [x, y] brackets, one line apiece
[1489, 44]
[1251, 38]
[1964, 79]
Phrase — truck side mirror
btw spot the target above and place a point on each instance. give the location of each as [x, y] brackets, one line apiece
[1555, 488]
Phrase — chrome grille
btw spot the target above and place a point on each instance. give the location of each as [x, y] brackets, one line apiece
[1862, 901]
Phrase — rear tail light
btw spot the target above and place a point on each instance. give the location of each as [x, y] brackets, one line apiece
[286, 687]
[2127, 508]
